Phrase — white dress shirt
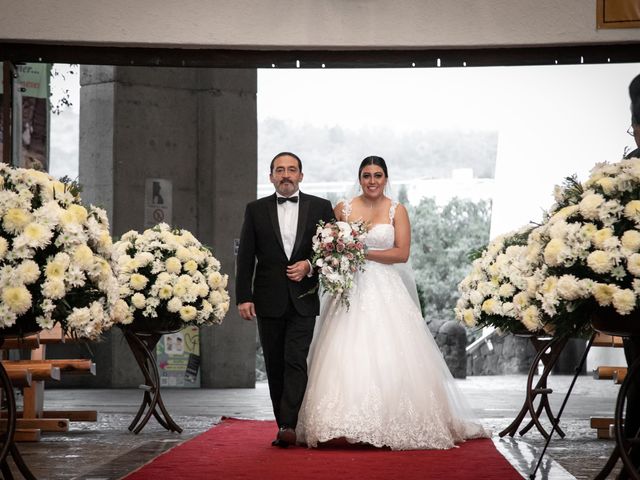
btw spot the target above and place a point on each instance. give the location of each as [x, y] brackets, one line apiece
[288, 221]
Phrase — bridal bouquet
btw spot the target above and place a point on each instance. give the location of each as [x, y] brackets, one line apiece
[168, 275]
[338, 252]
[54, 256]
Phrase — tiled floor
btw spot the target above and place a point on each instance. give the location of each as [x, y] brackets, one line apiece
[107, 450]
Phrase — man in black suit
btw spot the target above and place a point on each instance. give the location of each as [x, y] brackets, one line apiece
[276, 242]
[632, 344]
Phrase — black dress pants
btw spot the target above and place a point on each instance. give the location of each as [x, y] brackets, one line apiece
[632, 416]
[285, 344]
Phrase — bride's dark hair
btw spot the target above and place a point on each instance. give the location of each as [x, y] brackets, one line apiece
[373, 160]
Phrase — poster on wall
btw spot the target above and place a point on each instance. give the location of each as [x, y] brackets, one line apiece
[178, 358]
[33, 87]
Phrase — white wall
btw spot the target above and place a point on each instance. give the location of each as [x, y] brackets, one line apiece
[307, 23]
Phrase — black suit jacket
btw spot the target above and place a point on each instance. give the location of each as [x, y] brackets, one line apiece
[261, 252]
[634, 154]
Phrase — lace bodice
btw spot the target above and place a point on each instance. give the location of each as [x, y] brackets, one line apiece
[381, 236]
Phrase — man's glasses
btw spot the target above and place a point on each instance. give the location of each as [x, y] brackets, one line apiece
[630, 130]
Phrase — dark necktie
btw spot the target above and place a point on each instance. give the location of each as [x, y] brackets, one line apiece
[281, 200]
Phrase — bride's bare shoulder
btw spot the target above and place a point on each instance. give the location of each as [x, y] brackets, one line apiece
[338, 210]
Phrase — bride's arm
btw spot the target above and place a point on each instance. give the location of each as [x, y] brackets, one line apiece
[400, 251]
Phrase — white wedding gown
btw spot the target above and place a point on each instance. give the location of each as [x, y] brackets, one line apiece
[376, 374]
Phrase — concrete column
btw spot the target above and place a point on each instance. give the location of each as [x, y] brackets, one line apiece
[196, 128]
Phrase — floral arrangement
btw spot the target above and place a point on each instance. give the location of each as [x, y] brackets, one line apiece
[590, 244]
[501, 286]
[338, 252]
[167, 274]
[54, 256]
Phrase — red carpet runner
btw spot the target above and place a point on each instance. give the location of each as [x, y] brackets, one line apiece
[241, 449]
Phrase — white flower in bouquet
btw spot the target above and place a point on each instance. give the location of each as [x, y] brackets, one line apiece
[52, 256]
[338, 251]
[167, 273]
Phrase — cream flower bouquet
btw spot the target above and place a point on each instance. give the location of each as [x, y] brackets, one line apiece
[167, 275]
[54, 258]
[501, 286]
[590, 246]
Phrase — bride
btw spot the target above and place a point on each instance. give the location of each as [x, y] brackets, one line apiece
[376, 375]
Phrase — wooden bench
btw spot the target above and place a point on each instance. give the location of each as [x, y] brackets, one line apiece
[30, 376]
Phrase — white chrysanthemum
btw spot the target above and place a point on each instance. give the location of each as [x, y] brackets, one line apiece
[521, 300]
[188, 313]
[138, 300]
[54, 289]
[569, 288]
[202, 290]
[180, 290]
[531, 319]
[174, 305]
[83, 257]
[17, 298]
[555, 252]
[603, 293]
[490, 306]
[558, 229]
[630, 240]
[215, 279]
[220, 311]
[36, 235]
[121, 312]
[144, 259]
[190, 266]
[624, 301]
[28, 272]
[475, 297]
[138, 282]
[632, 210]
[165, 292]
[79, 212]
[4, 246]
[633, 264]
[600, 261]
[506, 290]
[15, 219]
[509, 310]
[55, 269]
[173, 265]
[607, 184]
[601, 236]
[183, 254]
[215, 297]
[205, 312]
[590, 205]
[79, 318]
[105, 242]
[549, 285]
[565, 213]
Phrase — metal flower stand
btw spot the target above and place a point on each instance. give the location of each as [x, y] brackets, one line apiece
[143, 344]
[548, 350]
[7, 440]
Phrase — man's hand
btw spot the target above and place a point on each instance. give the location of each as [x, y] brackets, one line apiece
[247, 310]
[298, 270]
